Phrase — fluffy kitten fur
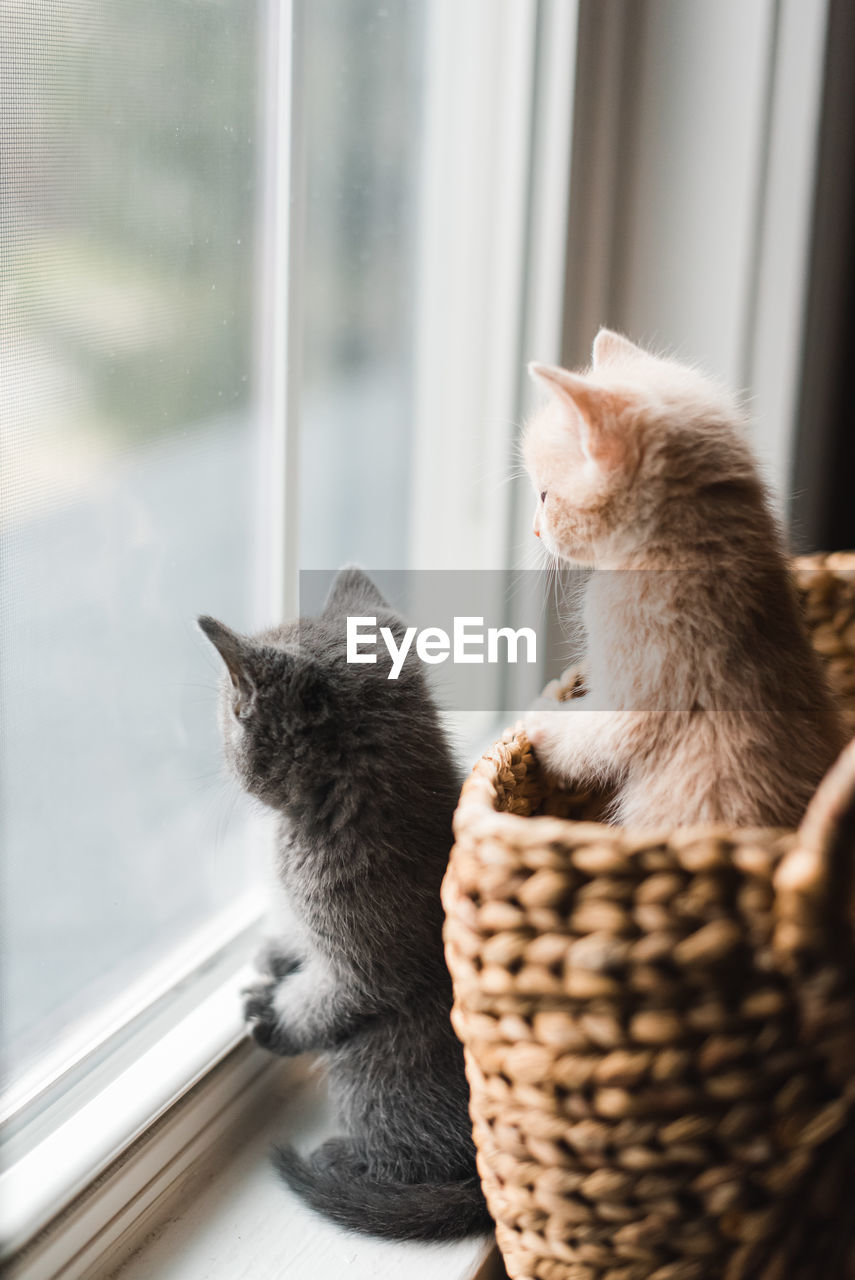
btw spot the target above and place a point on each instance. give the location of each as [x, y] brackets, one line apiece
[358, 770]
[705, 699]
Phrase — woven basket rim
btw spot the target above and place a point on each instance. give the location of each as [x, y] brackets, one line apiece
[478, 796]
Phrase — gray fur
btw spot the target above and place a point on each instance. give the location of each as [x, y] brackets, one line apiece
[359, 772]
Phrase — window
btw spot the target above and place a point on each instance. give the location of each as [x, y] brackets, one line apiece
[133, 455]
[132, 450]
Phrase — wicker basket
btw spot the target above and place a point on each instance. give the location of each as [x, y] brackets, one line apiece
[659, 1027]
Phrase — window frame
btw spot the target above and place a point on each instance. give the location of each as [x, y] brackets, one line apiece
[492, 260]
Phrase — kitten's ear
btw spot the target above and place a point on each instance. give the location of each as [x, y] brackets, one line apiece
[352, 590]
[592, 410]
[236, 653]
[612, 348]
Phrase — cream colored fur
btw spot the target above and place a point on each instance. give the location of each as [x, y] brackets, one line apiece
[705, 699]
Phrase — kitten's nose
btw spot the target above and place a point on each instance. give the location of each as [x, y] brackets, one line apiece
[537, 533]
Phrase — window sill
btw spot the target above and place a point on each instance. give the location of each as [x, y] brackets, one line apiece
[83, 1150]
[236, 1218]
[210, 1207]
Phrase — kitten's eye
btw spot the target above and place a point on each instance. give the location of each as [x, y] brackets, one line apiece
[543, 496]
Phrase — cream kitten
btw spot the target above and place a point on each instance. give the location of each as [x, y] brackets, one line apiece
[705, 700]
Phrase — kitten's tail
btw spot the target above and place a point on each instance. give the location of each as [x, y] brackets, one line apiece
[333, 1181]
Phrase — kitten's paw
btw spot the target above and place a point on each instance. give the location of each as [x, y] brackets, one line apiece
[258, 1000]
[265, 1025]
[546, 731]
[259, 1012]
[554, 697]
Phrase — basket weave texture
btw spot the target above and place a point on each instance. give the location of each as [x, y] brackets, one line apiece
[659, 1027]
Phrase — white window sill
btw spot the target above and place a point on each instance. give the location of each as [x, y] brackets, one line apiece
[210, 1207]
[238, 1219]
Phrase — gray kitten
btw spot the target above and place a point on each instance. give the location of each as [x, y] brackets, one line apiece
[358, 770]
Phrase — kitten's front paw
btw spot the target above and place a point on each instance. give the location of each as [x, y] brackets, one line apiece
[259, 1010]
[546, 731]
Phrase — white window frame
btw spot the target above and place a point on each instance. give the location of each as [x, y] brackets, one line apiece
[490, 292]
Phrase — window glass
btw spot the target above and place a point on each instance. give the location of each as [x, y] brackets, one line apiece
[130, 472]
[361, 112]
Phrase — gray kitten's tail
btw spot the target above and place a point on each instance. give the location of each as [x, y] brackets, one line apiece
[334, 1182]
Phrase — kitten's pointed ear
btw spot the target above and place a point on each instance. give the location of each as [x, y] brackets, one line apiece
[235, 652]
[592, 409]
[352, 590]
[612, 348]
